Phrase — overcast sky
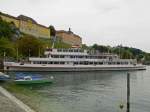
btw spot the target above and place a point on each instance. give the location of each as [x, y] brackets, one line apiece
[105, 22]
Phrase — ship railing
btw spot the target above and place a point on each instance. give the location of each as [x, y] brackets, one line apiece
[65, 59]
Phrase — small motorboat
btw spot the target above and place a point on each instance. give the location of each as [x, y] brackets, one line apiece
[4, 77]
[29, 79]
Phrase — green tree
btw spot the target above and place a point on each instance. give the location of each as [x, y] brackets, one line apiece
[100, 48]
[52, 30]
[7, 30]
[126, 54]
[30, 46]
[6, 47]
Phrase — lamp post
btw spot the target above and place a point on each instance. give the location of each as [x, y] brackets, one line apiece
[39, 52]
[29, 53]
[17, 54]
[4, 56]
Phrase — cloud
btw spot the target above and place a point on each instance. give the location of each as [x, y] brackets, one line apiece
[106, 6]
[107, 22]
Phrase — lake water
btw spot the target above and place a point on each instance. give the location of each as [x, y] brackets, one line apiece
[94, 91]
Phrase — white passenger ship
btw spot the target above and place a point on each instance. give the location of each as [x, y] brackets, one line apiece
[74, 60]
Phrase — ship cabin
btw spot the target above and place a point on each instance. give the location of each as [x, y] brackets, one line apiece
[79, 57]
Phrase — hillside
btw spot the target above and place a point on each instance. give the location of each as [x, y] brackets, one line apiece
[123, 51]
[15, 44]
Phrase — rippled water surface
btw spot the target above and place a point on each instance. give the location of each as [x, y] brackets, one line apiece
[94, 91]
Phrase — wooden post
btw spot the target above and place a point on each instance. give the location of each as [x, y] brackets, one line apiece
[17, 54]
[128, 92]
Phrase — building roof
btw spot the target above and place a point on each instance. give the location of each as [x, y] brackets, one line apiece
[26, 18]
[67, 32]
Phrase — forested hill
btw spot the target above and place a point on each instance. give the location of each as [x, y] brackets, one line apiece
[123, 51]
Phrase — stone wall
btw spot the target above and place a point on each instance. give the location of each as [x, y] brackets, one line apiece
[27, 25]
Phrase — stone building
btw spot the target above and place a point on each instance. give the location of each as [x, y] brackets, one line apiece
[27, 25]
[69, 37]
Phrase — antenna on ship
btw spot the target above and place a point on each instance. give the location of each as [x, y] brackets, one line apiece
[52, 35]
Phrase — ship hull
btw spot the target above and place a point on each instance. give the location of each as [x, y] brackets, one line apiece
[59, 68]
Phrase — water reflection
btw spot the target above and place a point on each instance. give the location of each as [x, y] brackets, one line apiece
[93, 91]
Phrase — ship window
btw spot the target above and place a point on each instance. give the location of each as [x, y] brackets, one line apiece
[75, 50]
[35, 62]
[113, 63]
[77, 56]
[38, 62]
[65, 50]
[81, 56]
[91, 63]
[109, 63]
[86, 63]
[93, 57]
[72, 56]
[55, 56]
[59, 50]
[62, 56]
[56, 62]
[100, 63]
[126, 63]
[50, 62]
[99, 57]
[104, 57]
[44, 62]
[71, 50]
[95, 63]
[62, 62]
[81, 63]
[118, 63]
[75, 63]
